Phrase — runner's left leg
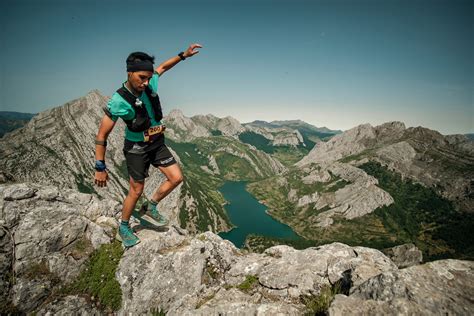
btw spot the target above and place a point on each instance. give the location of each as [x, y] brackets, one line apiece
[174, 177]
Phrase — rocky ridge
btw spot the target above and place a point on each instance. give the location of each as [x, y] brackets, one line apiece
[57, 147]
[278, 136]
[361, 196]
[184, 129]
[444, 163]
[203, 274]
[46, 236]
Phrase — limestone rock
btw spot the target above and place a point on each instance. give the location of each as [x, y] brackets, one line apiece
[361, 196]
[69, 305]
[307, 199]
[6, 259]
[444, 286]
[56, 147]
[444, 163]
[278, 136]
[350, 142]
[261, 162]
[404, 256]
[200, 275]
[181, 128]
[317, 176]
[53, 233]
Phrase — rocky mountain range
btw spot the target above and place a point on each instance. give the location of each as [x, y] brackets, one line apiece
[444, 163]
[374, 186]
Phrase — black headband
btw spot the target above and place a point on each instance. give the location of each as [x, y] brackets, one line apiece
[142, 65]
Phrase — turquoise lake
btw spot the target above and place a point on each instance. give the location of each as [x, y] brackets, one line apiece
[249, 216]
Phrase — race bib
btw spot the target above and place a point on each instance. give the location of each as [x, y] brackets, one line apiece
[152, 133]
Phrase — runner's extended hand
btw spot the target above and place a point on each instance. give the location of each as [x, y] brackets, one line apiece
[192, 50]
[101, 178]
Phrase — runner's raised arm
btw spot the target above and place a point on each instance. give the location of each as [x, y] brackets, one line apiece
[170, 63]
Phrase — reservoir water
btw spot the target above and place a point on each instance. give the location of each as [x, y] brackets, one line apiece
[249, 216]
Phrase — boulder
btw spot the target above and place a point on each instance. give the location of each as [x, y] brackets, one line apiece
[440, 287]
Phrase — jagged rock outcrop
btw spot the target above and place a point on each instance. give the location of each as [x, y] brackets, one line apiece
[262, 163]
[316, 176]
[440, 287]
[353, 142]
[47, 234]
[294, 138]
[404, 256]
[264, 131]
[444, 163]
[228, 125]
[206, 275]
[69, 305]
[358, 197]
[201, 275]
[278, 136]
[56, 147]
[182, 128]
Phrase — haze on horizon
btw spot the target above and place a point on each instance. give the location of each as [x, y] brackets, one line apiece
[333, 63]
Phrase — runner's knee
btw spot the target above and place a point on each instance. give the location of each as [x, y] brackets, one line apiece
[136, 190]
[176, 180]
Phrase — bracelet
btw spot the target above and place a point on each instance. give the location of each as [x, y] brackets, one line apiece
[100, 165]
[101, 142]
[181, 55]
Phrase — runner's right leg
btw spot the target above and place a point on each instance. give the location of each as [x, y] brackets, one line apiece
[126, 234]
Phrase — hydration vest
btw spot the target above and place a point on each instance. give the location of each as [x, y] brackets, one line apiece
[141, 122]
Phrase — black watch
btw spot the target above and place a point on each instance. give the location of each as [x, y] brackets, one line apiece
[181, 55]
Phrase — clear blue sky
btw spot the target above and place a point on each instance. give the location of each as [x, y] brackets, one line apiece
[330, 63]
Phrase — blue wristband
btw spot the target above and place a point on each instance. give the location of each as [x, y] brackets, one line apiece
[100, 165]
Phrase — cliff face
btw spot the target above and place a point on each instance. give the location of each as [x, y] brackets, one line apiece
[444, 163]
[57, 147]
[48, 234]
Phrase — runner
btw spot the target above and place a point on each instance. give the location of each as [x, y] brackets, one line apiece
[138, 104]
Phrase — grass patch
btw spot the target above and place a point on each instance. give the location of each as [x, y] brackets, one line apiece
[319, 304]
[98, 277]
[248, 284]
[289, 155]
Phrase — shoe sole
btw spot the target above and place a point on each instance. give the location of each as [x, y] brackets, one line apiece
[117, 236]
[147, 220]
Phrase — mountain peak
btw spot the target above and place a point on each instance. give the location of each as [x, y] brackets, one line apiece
[95, 92]
[175, 113]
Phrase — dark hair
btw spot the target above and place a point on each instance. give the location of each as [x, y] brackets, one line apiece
[139, 56]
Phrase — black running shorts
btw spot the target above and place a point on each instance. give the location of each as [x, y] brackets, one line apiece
[139, 157]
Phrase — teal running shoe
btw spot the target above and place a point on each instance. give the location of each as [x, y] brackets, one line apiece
[149, 215]
[152, 210]
[126, 236]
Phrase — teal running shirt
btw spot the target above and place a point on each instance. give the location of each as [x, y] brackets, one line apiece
[120, 108]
